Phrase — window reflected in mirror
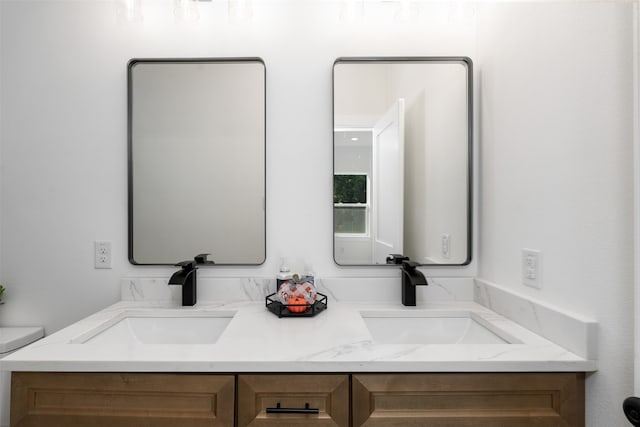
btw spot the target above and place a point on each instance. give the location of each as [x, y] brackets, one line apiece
[351, 204]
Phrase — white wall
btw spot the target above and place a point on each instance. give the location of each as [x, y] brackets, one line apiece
[556, 119]
[364, 110]
[436, 160]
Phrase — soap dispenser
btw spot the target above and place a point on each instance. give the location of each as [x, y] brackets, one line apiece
[284, 276]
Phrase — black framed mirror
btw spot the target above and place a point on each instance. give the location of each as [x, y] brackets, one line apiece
[197, 174]
[403, 139]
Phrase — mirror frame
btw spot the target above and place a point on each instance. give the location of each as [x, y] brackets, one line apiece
[130, 65]
[470, 111]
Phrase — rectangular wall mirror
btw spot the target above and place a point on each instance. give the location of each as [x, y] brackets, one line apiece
[402, 159]
[196, 130]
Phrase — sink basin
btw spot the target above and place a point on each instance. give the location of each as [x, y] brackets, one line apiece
[431, 328]
[173, 328]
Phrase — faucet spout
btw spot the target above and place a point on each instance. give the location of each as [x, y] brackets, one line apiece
[186, 277]
[411, 277]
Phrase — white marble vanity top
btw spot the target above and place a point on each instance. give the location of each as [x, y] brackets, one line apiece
[255, 340]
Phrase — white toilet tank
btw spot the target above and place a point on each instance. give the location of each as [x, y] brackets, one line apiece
[12, 339]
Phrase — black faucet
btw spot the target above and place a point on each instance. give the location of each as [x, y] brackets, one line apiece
[186, 277]
[411, 277]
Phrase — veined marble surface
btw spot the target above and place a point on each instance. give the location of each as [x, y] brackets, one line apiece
[569, 330]
[335, 340]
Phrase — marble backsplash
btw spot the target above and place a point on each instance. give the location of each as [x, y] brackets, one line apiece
[359, 289]
[570, 330]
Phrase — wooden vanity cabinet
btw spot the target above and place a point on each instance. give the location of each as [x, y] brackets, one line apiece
[58, 399]
[469, 399]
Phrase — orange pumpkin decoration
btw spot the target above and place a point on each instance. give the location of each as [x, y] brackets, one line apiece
[297, 305]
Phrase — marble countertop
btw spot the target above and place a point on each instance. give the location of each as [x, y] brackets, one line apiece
[335, 340]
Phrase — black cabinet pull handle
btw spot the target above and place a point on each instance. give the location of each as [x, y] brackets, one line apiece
[305, 410]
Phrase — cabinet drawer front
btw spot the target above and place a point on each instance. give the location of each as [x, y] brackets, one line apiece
[329, 394]
[54, 399]
[475, 399]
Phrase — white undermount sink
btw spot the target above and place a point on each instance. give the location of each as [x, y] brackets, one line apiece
[160, 328]
[424, 327]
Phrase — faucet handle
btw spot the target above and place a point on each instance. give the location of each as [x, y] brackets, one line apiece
[202, 259]
[409, 265]
[186, 265]
[396, 259]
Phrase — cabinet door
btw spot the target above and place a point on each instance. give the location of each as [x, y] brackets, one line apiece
[58, 399]
[475, 399]
[257, 394]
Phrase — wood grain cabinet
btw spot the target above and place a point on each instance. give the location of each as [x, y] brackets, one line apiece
[469, 399]
[58, 399]
[290, 400]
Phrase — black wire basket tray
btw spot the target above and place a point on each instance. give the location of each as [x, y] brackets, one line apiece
[291, 310]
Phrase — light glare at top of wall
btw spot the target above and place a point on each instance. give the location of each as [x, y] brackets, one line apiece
[450, 13]
[186, 11]
[350, 11]
[183, 11]
[129, 10]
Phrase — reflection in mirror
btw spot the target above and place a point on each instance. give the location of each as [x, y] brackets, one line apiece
[402, 160]
[196, 160]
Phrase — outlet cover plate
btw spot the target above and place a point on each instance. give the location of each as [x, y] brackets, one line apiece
[532, 268]
[102, 254]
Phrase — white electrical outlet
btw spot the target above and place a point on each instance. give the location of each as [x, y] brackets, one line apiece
[532, 268]
[445, 245]
[102, 254]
